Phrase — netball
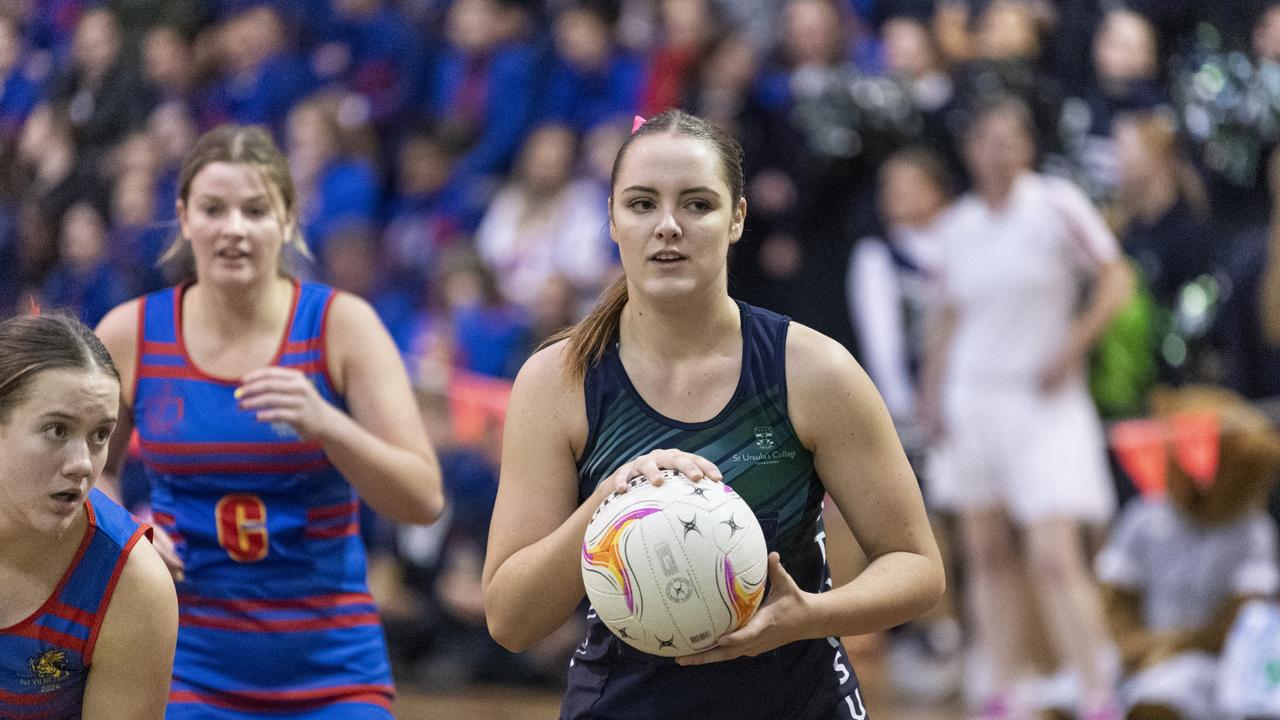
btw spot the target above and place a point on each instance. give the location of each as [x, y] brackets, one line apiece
[671, 568]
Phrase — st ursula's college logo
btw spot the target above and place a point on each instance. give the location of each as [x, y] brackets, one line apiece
[764, 437]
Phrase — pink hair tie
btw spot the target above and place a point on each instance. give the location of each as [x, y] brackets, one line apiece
[636, 122]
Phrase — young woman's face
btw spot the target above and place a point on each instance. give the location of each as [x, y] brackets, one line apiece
[234, 223]
[53, 448]
[908, 195]
[673, 218]
[999, 149]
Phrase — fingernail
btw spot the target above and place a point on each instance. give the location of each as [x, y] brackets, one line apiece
[239, 391]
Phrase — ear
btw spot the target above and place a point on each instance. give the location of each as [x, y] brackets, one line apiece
[613, 229]
[180, 208]
[739, 221]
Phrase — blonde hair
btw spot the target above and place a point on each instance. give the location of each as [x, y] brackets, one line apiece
[241, 145]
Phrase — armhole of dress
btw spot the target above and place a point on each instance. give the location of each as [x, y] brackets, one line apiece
[781, 360]
[591, 405]
[138, 344]
[143, 530]
[324, 341]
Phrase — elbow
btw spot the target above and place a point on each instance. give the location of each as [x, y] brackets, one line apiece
[507, 631]
[428, 508]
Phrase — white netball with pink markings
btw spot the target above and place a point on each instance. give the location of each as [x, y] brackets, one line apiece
[671, 568]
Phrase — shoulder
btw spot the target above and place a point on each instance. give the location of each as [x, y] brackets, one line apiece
[351, 316]
[548, 371]
[119, 327]
[143, 606]
[818, 367]
[548, 393]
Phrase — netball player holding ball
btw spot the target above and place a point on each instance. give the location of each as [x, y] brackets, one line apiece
[670, 372]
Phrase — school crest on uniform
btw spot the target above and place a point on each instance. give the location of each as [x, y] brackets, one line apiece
[48, 670]
[163, 412]
[764, 437]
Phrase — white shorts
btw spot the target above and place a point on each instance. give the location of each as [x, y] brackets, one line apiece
[1037, 456]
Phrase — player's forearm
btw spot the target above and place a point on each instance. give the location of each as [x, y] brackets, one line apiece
[402, 485]
[895, 587]
[536, 589]
[1114, 288]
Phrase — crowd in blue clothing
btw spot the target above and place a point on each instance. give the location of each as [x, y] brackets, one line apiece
[453, 156]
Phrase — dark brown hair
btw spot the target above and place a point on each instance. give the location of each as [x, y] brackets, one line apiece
[589, 338]
[239, 144]
[32, 344]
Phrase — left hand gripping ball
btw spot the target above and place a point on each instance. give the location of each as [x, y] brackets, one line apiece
[669, 569]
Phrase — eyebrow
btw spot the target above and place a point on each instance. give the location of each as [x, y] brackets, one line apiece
[59, 415]
[219, 198]
[689, 191]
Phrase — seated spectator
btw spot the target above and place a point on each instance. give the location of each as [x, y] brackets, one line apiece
[262, 76]
[426, 211]
[591, 81]
[336, 184]
[18, 93]
[84, 280]
[913, 58]
[370, 46]
[544, 224]
[689, 30]
[168, 65]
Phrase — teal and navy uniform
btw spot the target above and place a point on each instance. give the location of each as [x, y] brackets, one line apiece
[275, 617]
[755, 446]
[45, 659]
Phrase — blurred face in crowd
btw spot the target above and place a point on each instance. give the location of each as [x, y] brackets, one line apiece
[548, 158]
[96, 43]
[1145, 152]
[908, 51]
[999, 148]
[84, 236]
[422, 166]
[1125, 47]
[10, 44]
[250, 39]
[908, 194]
[1007, 30]
[1266, 35]
[133, 200]
[582, 38]
[310, 139]
[173, 131]
[672, 215]
[235, 223]
[473, 25]
[54, 445]
[814, 33]
[166, 58]
[687, 23]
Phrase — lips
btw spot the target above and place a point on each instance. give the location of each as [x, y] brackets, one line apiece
[67, 495]
[668, 256]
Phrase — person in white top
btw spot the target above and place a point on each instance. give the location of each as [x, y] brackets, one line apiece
[1032, 276]
[545, 225]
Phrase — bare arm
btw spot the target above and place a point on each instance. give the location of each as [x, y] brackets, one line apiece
[532, 581]
[381, 447]
[133, 659]
[1112, 289]
[840, 417]
[119, 334]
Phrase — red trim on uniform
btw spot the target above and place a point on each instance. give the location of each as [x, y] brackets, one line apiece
[327, 533]
[151, 347]
[105, 603]
[329, 512]
[228, 448]
[200, 374]
[269, 700]
[309, 367]
[263, 625]
[27, 627]
[1075, 231]
[71, 613]
[21, 699]
[33, 631]
[324, 342]
[177, 372]
[302, 346]
[314, 602]
[236, 467]
[137, 349]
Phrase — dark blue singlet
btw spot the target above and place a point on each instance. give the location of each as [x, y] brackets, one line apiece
[755, 446]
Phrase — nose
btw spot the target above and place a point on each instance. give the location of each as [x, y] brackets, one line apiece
[78, 464]
[235, 223]
[667, 229]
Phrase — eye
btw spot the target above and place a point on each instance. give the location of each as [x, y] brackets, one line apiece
[55, 432]
[256, 212]
[699, 205]
[641, 204]
[212, 210]
[102, 435]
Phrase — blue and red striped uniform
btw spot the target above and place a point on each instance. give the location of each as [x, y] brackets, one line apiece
[45, 659]
[275, 615]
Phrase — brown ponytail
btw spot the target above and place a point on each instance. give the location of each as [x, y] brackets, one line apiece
[589, 339]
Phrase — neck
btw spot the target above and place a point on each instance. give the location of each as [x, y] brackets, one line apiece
[1155, 199]
[995, 192]
[673, 331]
[28, 551]
[232, 311]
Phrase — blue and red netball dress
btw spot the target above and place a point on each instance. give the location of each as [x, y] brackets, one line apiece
[275, 617]
[755, 446]
[45, 659]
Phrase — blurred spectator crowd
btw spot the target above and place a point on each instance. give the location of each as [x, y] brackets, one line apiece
[452, 158]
